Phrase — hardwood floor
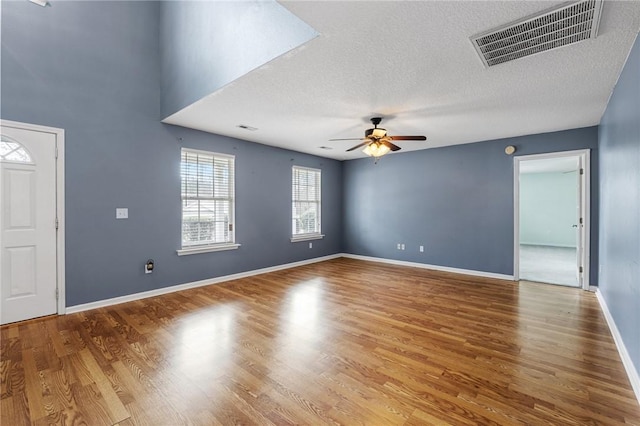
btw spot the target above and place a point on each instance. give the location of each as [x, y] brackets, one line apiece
[337, 342]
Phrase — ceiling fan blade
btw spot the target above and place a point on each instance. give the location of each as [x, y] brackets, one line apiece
[408, 138]
[349, 139]
[391, 146]
[367, 142]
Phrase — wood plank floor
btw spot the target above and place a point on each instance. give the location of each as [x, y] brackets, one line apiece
[337, 342]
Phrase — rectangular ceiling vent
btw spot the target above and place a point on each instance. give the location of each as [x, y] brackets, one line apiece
[551, 29]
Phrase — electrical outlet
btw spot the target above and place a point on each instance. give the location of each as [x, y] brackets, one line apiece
[421, 249]
[148, 267]
[310, 245]
[122, 213]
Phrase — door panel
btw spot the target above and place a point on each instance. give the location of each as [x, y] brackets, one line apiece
[28, 271]
[21, 265]
[20, 191]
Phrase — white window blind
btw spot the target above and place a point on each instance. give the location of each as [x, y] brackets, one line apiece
[306, 202]
[207, 198]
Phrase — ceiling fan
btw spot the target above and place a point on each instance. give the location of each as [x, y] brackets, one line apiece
[376, 141]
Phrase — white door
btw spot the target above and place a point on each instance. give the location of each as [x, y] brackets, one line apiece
[580, 229]
[28, 267]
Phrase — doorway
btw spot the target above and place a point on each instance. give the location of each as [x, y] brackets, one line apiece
[31, 221]
[551, 217]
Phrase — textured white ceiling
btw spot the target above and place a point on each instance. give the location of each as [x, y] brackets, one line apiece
[413, 63]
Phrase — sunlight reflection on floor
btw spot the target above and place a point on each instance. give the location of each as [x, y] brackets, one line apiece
[206, 339]
[303, 327]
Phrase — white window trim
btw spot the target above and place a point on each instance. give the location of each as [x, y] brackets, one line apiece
[208, 248]
[315, 235]
[306, 237]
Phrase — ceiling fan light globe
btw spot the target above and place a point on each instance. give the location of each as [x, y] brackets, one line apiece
[376, 150]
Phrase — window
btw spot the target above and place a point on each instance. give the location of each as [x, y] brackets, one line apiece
[207, 202]
[13, 151]
[305, 206]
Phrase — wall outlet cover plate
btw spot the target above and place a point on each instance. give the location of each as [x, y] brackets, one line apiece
[122, 213]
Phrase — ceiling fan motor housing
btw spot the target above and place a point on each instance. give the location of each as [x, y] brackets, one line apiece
[375, 133]
[377, 142]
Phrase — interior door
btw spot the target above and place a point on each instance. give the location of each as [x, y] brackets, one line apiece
[580, 229]
[28, 268]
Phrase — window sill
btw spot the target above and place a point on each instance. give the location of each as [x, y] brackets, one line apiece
[206, 249]
[306, 237]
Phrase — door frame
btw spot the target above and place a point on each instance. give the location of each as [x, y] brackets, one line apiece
[585, 207]
[60, 200]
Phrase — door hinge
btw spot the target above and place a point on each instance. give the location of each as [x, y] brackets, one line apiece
[581, 171]
[56, 152]
[57, 294]
[581, 270]
[57, 224]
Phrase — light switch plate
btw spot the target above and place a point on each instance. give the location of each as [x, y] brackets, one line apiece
[122, 213]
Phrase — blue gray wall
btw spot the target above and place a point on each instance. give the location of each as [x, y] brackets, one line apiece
[206, 45]
[93, 68]
[620, 205]
[457, 201]
[549, 208]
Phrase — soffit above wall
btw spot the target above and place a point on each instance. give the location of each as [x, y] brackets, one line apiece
[206, 45]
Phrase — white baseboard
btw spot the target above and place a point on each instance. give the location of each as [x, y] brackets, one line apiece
[432, 267]
[634, 378]
[194, 284]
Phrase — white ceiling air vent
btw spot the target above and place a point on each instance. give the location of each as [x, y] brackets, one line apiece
[551, 29]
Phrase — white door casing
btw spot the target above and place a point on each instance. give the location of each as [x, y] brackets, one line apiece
[583, 234]
[579, 224]
[585, 222]
[31, 207]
